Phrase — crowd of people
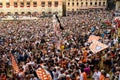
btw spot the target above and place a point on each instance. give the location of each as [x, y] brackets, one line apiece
[33, 44]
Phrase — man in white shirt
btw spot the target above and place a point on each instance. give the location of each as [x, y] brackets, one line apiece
[96, 74]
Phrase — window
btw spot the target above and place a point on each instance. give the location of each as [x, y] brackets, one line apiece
[15, 4]
[77, 4]
[7, 4]
[49, 3]
[95, 3]
[49, 12]
[43, 4]
[91, 3]
[81, 3]
[1, 5]
[68, 4]
[22, 13]
[86, 3]
[56, 3]
[21, 4]
[73, 4]
[28, 4]
[99, 3]
[29, 13]
[8, 13]
[34, 4]
[16, 13]
[103, 3]
[43, 13]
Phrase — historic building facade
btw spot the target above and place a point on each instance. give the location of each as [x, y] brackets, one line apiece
[31, 6]
[74, 5]
[117, 4]
[48, 6]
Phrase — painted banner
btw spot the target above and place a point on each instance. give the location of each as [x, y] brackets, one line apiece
[93, 37]
[43, 74]
[14, 64]
[97, 46]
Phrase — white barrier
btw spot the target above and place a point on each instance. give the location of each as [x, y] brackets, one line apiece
[10, 18]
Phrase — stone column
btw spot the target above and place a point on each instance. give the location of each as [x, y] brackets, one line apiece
[4, 3]
[31, 3]
[11, 2]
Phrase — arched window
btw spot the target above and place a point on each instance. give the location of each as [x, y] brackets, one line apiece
[15, 4]
[95, 3]
[16, 13]
[99, 3]
[68, 4]
[103, 3]
[34, 4]
[8, 13]
[49, 3]
[43, 3]
[29, 13]
[28, 4]
[81, 3]
[7, 4]
[43, 13]
[22, 13]
[73, 4]
[49, 12]
[1, 4]
[91, 3]
[21, 4]
[56, 3]
[86, 3]
[77, 4]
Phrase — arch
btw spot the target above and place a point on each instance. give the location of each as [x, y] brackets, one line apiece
[8, 13]
[22, 13]
[29, 13]
[43, 13]
[16, 13]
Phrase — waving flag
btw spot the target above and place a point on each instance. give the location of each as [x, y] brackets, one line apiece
[97, 46]
[43, 74]
[59, 22]
[93, 37]
[14, 64]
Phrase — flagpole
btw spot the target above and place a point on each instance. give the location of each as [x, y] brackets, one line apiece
[56, 23]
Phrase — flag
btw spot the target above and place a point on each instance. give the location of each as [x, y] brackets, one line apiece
[93, 37]
[97, 46]
[56, 25]
[59, 22]
[43, 74]
[14, 64]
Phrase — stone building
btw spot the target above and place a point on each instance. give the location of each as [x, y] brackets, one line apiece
[75, 5]
[31, 6]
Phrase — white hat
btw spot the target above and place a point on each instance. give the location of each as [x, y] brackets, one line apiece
[108, 75]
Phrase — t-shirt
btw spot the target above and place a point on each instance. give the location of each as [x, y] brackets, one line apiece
[96, 75]
[102, 77]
